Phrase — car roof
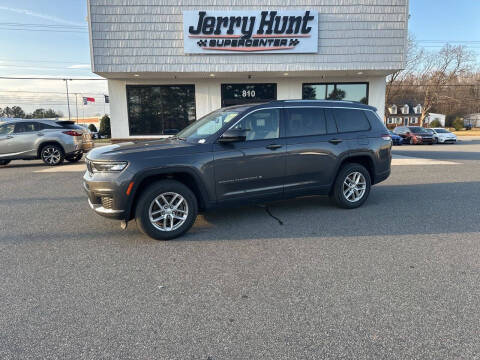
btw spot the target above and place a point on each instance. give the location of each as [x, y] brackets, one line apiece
[299, 103]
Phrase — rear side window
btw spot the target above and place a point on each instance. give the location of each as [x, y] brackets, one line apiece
[305, 121]
[22, 127]
[350, 120]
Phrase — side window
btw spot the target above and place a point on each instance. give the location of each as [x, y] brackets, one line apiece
[22, 127]
[350, 120]
[261, 125]
[305, 121]
[6, 129]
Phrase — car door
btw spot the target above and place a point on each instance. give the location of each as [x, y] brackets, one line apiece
[313, 149]
[6, 139]
[25, 135]
[254, 168]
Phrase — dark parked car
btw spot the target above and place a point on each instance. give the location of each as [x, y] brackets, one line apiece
[246, 153]
[396, 139]
[414, 135]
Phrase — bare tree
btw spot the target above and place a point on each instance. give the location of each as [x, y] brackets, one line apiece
[441, 69]
[415, 55]
[428, 78]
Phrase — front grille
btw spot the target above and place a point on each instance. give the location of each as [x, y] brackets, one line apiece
[107, 202]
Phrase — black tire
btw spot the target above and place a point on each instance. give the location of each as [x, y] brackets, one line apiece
[338, 196]
[52, 149]
[148, 196]
[4, 162]
[435, 140]
[74, 158]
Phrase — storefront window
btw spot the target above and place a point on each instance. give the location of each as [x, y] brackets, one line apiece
[337, 91]
[237, 94]
[160, 109]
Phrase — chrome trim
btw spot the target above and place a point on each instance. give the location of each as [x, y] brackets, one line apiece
[100, 209]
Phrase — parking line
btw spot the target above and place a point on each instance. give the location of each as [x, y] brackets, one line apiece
[407, 160]
[64, 168]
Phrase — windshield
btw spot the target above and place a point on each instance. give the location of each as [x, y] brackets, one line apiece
[442, 131]
[207, 125]
[418, 130]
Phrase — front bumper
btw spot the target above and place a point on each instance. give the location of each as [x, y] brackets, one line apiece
[105, 196]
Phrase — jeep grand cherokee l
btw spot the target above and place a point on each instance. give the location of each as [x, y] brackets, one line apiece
[239, 154]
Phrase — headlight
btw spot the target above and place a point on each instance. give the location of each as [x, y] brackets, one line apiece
[113, 166]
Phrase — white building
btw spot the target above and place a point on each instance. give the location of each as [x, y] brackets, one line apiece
[432, 116]
[169, 62]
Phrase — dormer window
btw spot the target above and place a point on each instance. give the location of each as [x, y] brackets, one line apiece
[393, 109]
[417, 109]
[405, 109]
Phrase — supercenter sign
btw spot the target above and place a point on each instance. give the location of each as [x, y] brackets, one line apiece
[250, 31]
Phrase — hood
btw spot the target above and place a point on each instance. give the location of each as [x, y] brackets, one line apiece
[148, 148]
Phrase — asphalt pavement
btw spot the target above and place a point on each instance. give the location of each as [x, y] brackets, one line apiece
[397, 278]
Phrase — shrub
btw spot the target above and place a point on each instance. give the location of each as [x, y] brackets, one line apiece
[105, 126]
[435, 123]
[458, 124]
[92, 128]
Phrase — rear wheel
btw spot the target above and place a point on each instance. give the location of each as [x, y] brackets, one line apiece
[166, 210]
[52, 154]
[352, 186]
[74, 158]
[4, 162]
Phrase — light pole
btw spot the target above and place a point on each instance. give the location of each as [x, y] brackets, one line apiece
[76, 106]
[68, 99]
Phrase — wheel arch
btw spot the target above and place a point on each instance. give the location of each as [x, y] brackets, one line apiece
[48, 142]
[364, 159]
[182, 175]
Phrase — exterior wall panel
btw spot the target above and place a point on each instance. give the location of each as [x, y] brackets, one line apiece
[147, 36]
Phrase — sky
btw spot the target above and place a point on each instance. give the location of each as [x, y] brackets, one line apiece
[49, 38]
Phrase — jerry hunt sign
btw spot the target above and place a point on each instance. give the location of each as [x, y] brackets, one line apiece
[250, 31]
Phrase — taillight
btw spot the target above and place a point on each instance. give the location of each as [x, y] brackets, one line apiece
[386, 137]
[73, 133]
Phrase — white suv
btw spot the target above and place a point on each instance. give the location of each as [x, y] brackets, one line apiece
[49, 140]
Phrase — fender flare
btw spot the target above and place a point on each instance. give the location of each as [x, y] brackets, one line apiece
[141, 176]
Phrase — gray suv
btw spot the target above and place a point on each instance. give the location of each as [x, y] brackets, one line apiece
[246, 153]
[49, 140]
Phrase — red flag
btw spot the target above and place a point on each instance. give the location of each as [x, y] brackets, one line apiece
[90, 99]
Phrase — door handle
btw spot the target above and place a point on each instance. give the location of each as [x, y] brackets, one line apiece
[40, 134]
[273, 146]
[335, 141]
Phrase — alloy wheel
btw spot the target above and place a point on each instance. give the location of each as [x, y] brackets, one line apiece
[354, 186]
[168, 211]
[51, 155]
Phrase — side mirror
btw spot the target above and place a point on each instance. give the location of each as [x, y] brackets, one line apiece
[233, 135]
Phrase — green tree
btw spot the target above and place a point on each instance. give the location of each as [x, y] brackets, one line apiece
[92, 128]
[105, 126]
[14, 112]
[435, 123]
[458, 124]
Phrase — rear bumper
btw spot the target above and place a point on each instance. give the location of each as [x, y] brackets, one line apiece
[382, 176]
[87, 146]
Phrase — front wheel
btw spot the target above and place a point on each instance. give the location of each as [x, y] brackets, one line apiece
[52, 154]
[166, 210]
[4, 162]
[352, 186]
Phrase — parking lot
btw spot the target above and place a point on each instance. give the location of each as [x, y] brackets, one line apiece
[396, 278]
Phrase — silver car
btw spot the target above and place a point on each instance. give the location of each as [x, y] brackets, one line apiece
[49, 140]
